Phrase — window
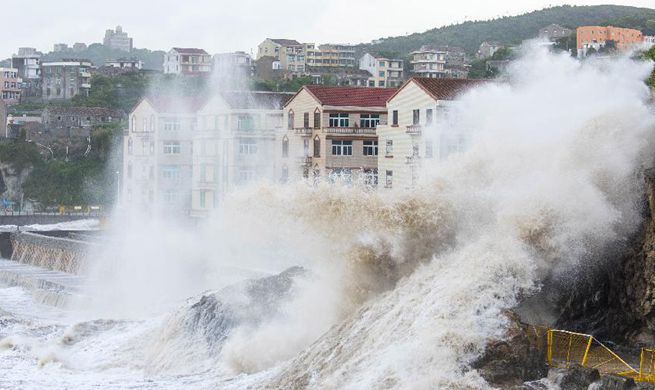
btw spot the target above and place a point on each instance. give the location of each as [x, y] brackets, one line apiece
[415, 150]
[171, 124]
[172, 147]
[317, 146]
[246, 175]
[382, 64]
[285, 146]
[247, 146]
[129, 170]
[203, 199]
[317, 119]
[381, 83]
[305, 120]
[145, 125]
[388, 182]
[394, 117]
[416, 117]
[170, 173]
[285, 174]
[428, 149]
[339, 120]
[290, 120]
[342, 175]
[381, 73]
[170, 196]
[389, 148]
[371, 177]
[342, 148]
[370, 148]
[129, 146]
[133, 123]
[369, 121]
[428, 116]
[245, 122]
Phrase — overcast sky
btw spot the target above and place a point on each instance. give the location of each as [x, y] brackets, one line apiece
[220, 26]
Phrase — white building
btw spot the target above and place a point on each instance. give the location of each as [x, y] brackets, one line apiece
[187, 61]
[649, 40]
[428, 62]
[420, 104]
[118, 39]
[123, 63]
[234, 144]
[157, 155]
[384, 72]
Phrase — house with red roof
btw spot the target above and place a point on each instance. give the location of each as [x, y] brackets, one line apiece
[415, 133]
[330, 133]
[187, 61]
[157, 154]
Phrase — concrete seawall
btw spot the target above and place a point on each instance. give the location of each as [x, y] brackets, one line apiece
[53, 253]
[42, 219]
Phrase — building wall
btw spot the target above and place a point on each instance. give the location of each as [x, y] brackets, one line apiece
[384, 72]
[401, 161]
[429, 63]
[624, 37]
[267, 49]
[187, 63]
[63, 80]
[9, 85]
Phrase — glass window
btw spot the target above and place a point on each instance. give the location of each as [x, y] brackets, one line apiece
[285, 146]
[317, 147]
[172, 147]
[388, 179]
[317, 119]
[290, 120]
[342, 148]
[428, 116]
[394, 116]
[170, 173]
[171, 124]
[428, 149]
[370, 148]
[416, 117]
[245, 122]
[369, 121]
[247, 146]
[305, 120]
[339, 120]
[389, 148]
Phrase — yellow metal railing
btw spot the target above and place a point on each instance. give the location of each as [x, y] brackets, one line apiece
[566, 349]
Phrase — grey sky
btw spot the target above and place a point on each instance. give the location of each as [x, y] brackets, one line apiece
[218, 25]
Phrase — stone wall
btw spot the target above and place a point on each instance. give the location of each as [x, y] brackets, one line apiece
[54, 253]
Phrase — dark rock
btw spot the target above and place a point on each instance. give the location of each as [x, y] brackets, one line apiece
[513, 360]
[612, 382]
[574, 378]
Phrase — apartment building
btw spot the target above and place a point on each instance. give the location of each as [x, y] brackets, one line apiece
[64, 79]
[428, 62]
[131, 64]
[331, 133]
[553, 32]
[289, 52]
[237, 67]
[9, 85]
[117, 39]
[384, 72]
[330, 55]
[415, 132]
[487, 49]
[187, 61]
[157, 155]
[234, 144]
[596, 37]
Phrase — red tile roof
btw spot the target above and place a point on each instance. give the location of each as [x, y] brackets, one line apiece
[350, 96]
[189, 50]
[444, 89]
[176, 105]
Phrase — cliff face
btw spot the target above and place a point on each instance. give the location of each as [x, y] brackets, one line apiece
[618, 303]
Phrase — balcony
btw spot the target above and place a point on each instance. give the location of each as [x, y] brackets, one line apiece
[349, 130]
[414, 130]
[305, 161]
[85, 74]
[304, 131]
[85, 85]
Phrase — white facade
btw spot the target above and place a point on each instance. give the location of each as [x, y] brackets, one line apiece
[157, 157]
[384, 72]
[118, 39]
[187, 61]
[429, 63]
[234, 145]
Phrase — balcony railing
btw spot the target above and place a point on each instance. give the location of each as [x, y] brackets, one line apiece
[349, 130]
[414, 130]
[305, 161]
[304, 131]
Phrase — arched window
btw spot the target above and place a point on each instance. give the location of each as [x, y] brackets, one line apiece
[152, 123]
[285, 146]
[317, 146]
[145, 125]
[129, 146]
[133, 123]
[317, 118]
[291, 119]
[285, 174]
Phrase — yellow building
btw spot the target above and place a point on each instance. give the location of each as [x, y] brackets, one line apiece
[331, 133]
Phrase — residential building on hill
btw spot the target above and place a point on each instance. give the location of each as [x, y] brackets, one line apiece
[487, 50]
[649, 40]
[330, 133]
[384, 72]
[125, 63]
[237, 66]
[289, 52]
[596, 37]
[428, 62]
[28, 63]
[3, 120]
[63, 117]
[117, 39]
[64, 79]
[59, 47]
[187, 61]
[157, 155]
[234, 145]
[9, 85]
[330, 55]
[415, 132]
[554, 32]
